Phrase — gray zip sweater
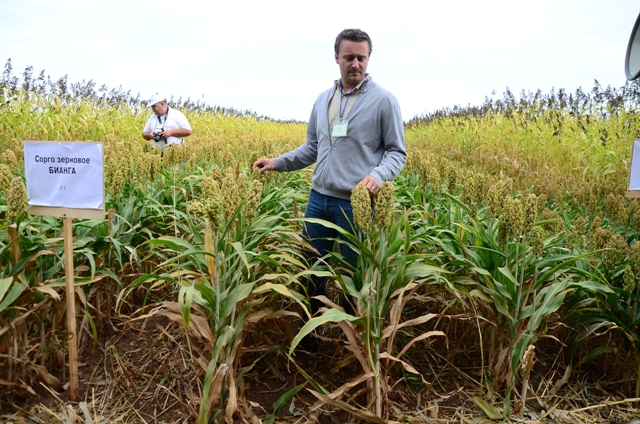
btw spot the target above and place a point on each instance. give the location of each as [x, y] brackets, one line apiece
[375, 128]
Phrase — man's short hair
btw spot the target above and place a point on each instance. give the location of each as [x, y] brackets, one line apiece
[355, 35]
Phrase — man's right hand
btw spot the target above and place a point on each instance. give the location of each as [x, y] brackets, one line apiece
[264, 164]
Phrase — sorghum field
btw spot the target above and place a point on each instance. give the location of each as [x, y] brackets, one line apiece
[498, 280]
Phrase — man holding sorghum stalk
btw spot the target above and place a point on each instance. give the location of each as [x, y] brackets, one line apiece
[166, 126]
[355, 135]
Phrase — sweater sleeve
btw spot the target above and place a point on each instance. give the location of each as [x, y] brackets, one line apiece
[306, 154]
[392, 129]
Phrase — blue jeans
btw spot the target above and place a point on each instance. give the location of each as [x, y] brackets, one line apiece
[337, 211]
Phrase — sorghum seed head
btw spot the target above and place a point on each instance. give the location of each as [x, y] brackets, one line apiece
[17, 200]
[512, 215]
[5, 178]
[252, 202]
[361, 205]
[634, 257]
[537, 240]
[629, 279]
[9, 159]
[385, 205]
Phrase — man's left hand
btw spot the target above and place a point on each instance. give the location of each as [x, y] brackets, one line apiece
[373, 185]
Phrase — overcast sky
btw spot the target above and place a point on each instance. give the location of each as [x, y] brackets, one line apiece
[274, 57]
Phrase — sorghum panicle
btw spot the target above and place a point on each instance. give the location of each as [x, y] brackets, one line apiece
[216, 175]
[385, 205]
[600, 238]
[576, 233]
[5, 178]
[596, 224]
[611, 205]
[452, 178]
[361, 204]
[480, 187]
[494, 200]
[634, 257]
[557, 222]
[502, 231]
[615, 251]
[17, 200]
[629, 280]
[469, 191]
[233, 193]
[513, 217]
[537, 240]
[215, 213]
[254, 194]
[210, 187]
[9, 159]
[624, 212]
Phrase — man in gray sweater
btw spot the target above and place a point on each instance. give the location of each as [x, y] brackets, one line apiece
[355, 135]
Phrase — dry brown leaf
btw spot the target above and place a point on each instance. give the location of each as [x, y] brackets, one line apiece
[349, 330]
[344, 388]
[81, 295]
[261, 315]
[48, 290]
[44, 375]
[564, 380]
[71, 414]
[215, 387]
[416, 321]
[366, 415]
[232, 401]
[327, 302]
[406, 366]
[417, 339]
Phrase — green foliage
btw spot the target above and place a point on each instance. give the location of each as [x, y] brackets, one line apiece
[514, 213]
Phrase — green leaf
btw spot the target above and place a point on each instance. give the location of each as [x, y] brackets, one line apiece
[331, 315]
[564, 264]
[518, 352]
[510, 283]
[552, 297]
[285, 398]
[5, 283]
[243, 254]
[174, 243]
[185, 298]
[12, 294]
[420, 270]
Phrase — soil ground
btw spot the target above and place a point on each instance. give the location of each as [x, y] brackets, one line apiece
[143, 371]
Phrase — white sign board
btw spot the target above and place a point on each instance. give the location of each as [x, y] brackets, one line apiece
[67, 175]
[634, 173]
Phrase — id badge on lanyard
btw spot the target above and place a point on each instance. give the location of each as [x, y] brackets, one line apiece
[339, 129]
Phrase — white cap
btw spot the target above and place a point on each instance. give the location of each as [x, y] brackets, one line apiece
[155, 99]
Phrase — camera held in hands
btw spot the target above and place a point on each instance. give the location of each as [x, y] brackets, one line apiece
[157, 136]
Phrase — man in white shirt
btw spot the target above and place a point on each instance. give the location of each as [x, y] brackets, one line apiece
[167, 126]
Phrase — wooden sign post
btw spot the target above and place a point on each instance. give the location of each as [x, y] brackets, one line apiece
[72, 334]
[66, 179]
